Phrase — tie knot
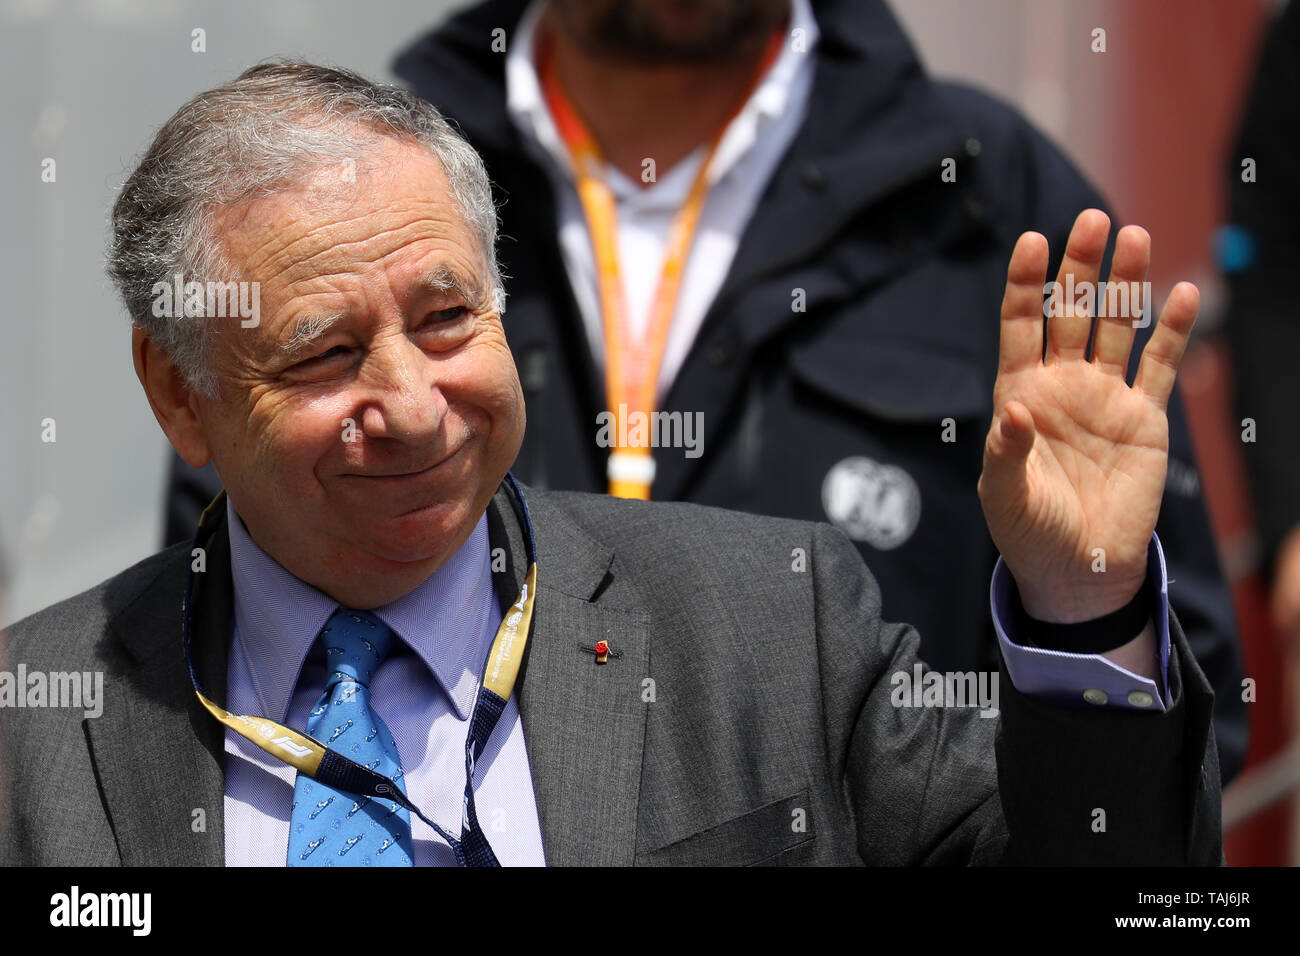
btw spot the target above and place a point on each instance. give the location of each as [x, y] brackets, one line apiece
[356, 643]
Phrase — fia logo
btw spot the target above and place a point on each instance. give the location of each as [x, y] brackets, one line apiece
[871, 502]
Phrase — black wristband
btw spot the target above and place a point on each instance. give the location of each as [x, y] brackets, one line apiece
[1096, 636]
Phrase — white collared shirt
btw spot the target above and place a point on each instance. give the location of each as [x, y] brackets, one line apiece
[747, 155]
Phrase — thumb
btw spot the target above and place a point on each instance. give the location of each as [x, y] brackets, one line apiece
[1005, 452]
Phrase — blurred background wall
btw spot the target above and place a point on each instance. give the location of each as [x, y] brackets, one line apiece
[86, 82]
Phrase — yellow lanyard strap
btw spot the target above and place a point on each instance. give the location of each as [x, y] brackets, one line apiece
[631, 365]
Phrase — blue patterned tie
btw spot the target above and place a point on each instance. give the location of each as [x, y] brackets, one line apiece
[331, 827]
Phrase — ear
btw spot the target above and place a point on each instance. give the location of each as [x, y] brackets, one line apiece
[174, 403]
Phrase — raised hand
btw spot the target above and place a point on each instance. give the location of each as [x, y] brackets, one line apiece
[1075, 459]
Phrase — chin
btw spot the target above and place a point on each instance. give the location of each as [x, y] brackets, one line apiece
[421, 535]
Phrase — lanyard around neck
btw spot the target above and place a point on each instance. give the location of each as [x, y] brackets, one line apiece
[632, 364]
[309, 756]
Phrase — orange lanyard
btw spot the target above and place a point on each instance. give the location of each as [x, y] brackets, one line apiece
[632, 365]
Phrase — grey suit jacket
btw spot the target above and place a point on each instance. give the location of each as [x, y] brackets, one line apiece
[746, 717]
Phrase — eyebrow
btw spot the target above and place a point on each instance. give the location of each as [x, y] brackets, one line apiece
[444, 279]
[307, 330]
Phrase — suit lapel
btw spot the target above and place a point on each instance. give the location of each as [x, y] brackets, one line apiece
[585, 727]
[157, 754]
[584, 722]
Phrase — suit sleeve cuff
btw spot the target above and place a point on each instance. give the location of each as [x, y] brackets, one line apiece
[1083, 680]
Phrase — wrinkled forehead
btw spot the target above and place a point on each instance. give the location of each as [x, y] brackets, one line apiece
[347, 217]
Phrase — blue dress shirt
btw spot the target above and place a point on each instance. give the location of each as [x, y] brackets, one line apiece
[1083, 680]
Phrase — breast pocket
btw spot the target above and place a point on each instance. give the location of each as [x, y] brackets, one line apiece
[894, 382]
[777, 833]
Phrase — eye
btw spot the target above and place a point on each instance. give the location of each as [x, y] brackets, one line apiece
[442, 327]
[326, 356]
[335, 352]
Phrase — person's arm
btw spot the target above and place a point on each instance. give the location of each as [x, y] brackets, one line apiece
[1074, 471]
[1198, 590]
[922, 785]
[1043, 191]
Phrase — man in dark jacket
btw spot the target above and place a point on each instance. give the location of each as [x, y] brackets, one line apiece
[842, 363]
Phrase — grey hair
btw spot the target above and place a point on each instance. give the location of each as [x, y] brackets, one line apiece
[266, 129]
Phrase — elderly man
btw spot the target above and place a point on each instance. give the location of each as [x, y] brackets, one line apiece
[398, 655]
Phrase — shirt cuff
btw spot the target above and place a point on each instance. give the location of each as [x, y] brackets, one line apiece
[1083, 680]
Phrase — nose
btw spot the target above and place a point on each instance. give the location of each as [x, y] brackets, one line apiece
[404, 400]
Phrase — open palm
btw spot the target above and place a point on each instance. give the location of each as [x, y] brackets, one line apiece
[1075, 461]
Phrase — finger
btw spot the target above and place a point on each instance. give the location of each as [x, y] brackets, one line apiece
[1068, 325]
[1021, 339]
[1010, 439]
[1113, 339]
[1159, 365]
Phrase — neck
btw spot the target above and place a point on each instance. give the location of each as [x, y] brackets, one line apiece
[637, 111]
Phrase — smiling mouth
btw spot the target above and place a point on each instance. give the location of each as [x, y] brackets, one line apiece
[398, 476]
